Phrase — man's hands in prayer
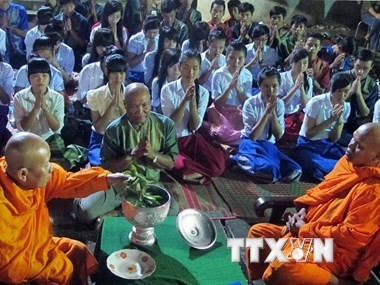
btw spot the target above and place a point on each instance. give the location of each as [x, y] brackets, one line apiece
[338, 61]
[143, 149]
[68, 26]
[296, 221]
[117, 179]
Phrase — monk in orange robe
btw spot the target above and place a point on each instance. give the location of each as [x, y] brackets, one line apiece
[28, 250]
[345, 207]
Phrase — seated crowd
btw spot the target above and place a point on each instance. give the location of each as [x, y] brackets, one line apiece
[165, 90]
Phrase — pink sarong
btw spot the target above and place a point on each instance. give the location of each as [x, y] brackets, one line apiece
[224, 124]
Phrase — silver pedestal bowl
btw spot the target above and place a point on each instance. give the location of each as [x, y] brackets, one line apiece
[145, 219]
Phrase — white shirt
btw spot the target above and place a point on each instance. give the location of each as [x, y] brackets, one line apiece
[172, 95]
[270, 57]
[30, 37]
[185, 45]
[149, 65]
[156, 99]
[6, 79]
[137, 45]
[376, 112]
[56, 80]
[253, 110]
[100, 99]
[65, 57]
[287, 84]
[222, 78]
[3, 38]
[320, 108]
[206, 64]
[24, 103]
[91, 77]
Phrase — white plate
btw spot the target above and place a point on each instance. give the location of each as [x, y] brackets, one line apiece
[131, 264]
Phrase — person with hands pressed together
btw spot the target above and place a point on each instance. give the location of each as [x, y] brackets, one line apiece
[140, 137]
[344, 207]
[296, 90]
[362, 96]
[263, 117]
[231, 87]
[185, 102]
[242, 30]
[76, 28]
[40, 110]
[106, 103]
[29, 252]
[139, 45]
[317, 149]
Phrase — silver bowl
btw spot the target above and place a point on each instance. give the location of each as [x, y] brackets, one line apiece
[145, 219]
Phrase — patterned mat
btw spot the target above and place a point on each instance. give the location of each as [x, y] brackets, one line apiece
[240, 192]
[201, 197]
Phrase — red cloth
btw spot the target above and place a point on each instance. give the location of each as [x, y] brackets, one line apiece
[224, 28]
[197, 155]
[321, 71]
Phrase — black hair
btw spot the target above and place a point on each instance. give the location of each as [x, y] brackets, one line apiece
[151, 24]
[168, 6]
[44, 15]
[298, 19]
[317, 36]
[340, 80]
[188, 54]
[260, 30]
[216, 34]
[236, 45]
[65, 2]
[166, 32]
[246, 7]
[199, 32]
[57, 26]
[111, 50]
[169, 58]
[111, 7]
[277, 10]
[232, 4]
[267, 72]
[347, 44]
[218, 2]
[43, 43]
[366, 55]
[298, 54]
[102, 37]
[116, 63]
[38, 65]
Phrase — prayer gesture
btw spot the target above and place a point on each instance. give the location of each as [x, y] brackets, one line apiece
[150, 45]
[116, 97]
[214, 62]
[243, 29]
[40, 99]
[357, 84]
[235, 79]
[190, 93]
[68, 26]
[338, 60]
[143, 148]
[296, 221]
[271, 105]
[258, 54]
[299, 44]
[299, 81]
[310, 72]
[337, 111]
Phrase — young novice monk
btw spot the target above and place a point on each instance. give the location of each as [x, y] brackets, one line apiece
[317, 151]
[185, 102]
[29, 252]
[231, 86]
[263, 117]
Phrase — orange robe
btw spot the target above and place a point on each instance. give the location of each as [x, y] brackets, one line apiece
[345, 207]
[28, 251]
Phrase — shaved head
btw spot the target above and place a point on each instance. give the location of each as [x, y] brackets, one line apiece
[26, 154]
[137, 103]
[364, 148]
